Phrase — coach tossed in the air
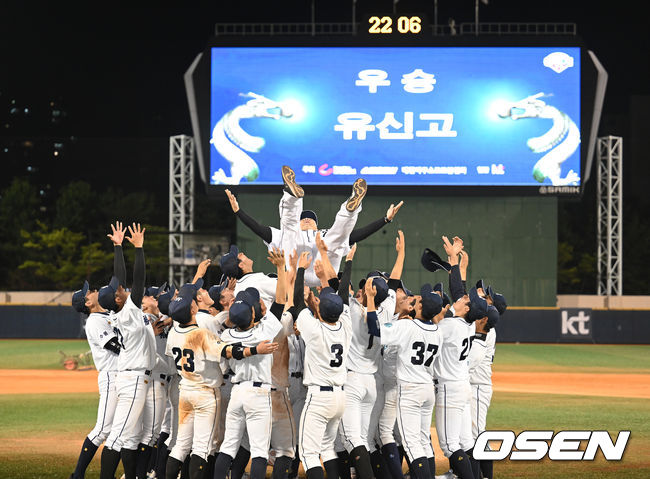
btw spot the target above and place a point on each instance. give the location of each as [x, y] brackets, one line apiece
[298, 227]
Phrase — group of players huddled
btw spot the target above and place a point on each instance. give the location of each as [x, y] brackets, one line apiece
[293, 366]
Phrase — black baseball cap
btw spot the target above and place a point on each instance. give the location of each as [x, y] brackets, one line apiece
[330, 305]
[309, 214]
[498, 300]
[180, 309]
[431, 302]
[164, 300]
[257, 307]
[79, 299]
[106, 294]
[493, 316]
[241, 313]
[478, 306]
[445, 298]
[432, 262]
[155, 291]
[230, 263]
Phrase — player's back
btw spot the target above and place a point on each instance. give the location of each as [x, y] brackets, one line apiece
[481, 373]
[196, 353]
[326, 348]
[451, 363]
[417, 343]
[99, 330]
[263, 283]
[137, 339]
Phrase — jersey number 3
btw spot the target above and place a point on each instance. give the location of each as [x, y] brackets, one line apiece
[189, 359]
[337, 349]
[419, 348]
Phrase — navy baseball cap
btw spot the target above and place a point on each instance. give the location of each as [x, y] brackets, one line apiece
[382, 289]
[493, 316]
[330, 305]
[106, 295]
[432, 262]
[257, 307]
[215, 292]
[445, 298]
[241, 313]
[79, 299]
[180, 309]
[431, 302]
[164, 300]
[477, 306]
[383, 274]
[230, 263]
[404, 288]
[481, 284]
[498, 300]
[309, 214]
[155, 291]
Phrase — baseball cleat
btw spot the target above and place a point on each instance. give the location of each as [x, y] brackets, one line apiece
[289, 178]
[359, 190]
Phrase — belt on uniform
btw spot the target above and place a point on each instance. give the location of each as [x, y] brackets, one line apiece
[435, 381]
[328, 388]
[165, 378]
[226, 376]
[147, 372]
[296, 375]
[259, 384]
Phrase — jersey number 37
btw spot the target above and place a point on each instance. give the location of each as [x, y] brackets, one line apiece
[419, 348]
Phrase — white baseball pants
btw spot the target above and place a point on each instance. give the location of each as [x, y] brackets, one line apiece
[106, 409]
[481, 397]
[414, 409]
[360, 395]
[197, 413]
[453, 416]
[388, 417]
[319, 424]
[173, 393]
[154, 410]
[283, 431]
[132, 389]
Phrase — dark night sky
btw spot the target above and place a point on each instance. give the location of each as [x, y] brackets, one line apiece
[119, 70]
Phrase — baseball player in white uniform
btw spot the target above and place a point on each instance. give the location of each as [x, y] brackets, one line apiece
[250, 400]
[327, 333]
[358, 424]
[196, 353]
[136, 359]
[236, 264]
[298, 227]
[418, 342]
[297, 390]
[105, 349]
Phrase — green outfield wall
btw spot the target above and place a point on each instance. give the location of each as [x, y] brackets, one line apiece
[512, 241]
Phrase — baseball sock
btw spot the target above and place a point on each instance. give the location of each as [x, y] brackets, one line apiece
[486, 469]
[393, 460]
[361, 462]
[173, 467]
[282, 467]
[315, 473]
[295, 466]
[156, 449]
[461, 465]
[144, 454]
[109, 461]
[476, 467]
[209, 471]
[432, 466]
[130, 462]
[197, 467]
[332, 468]
[405, 456]
[379, 466]
[161, 460]
[221, 465]
[420, 468]
[258, 468]
[185, 470]
[88, 450]
[239, 463]
[344, 464]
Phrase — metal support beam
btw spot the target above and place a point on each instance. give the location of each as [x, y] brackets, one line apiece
[181, 204]
[610, 216]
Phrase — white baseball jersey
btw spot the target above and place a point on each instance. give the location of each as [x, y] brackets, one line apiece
[164, 364]
[451, 363]
[280, 368]
[264, 284]
[136, 336]
[365, 349]
[99, 330]
[206, 321]
[254, 368]
[481, 358]
[418, 344]
[296, 354]
[326, 348]
[196, 352]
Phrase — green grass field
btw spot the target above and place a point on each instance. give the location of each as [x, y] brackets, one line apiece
[41, 434]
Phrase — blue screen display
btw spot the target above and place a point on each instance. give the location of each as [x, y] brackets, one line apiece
[492, 116]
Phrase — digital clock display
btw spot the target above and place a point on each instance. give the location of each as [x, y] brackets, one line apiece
[385, 25]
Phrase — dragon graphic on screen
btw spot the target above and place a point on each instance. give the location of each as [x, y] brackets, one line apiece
[233, 143]
[559, 143]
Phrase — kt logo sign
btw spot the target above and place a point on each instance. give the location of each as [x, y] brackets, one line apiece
[576, 322]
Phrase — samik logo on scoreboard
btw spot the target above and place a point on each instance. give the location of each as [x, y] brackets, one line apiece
[563, 446]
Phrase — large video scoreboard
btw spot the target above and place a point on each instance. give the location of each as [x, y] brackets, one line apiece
[508, 118]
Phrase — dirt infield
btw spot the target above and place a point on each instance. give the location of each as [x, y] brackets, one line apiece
[37, 381]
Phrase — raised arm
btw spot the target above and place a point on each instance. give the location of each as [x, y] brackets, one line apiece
[201, 269]
[362, 233]
[344, 285]
[137, 240]
[260, 230]
[117, 237]
[276, 257]
[456, 288]
[371, 309]
[299, 286]
[396, 273]
[464, 262]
